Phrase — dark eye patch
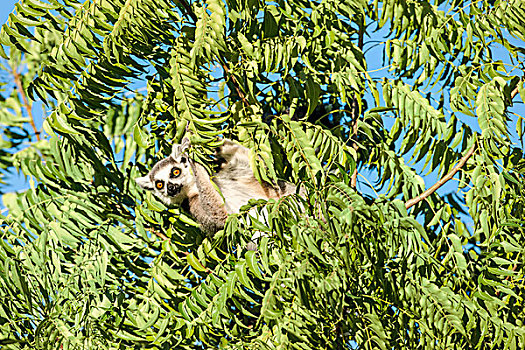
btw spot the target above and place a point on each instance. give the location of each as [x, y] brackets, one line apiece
[159, 184]
[175, 172]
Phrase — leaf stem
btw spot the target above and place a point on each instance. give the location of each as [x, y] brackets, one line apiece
[158, 234]
[355, 106]
[27, 104]
[235, 83]
[355, 115]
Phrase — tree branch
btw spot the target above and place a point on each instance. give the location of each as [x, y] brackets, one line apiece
[355, 106]
[453, 172]
[516, 89]
[27, 105]
[355, 115]
[443, 180]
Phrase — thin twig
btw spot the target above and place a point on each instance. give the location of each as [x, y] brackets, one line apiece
[27, 105]
[508, 277]
[235, 84]
[158, 234]
[355, 106]
[515, 91]
[355, 146]
[443, 180]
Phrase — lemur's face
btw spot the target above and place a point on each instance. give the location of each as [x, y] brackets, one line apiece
[171, 178]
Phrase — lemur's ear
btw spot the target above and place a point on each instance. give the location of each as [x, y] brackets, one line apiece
[144, 182]
[179, 149]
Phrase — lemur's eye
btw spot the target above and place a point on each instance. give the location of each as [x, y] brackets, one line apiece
[175, 172]
[159, 185]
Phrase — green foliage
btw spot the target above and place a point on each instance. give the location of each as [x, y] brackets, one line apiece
[88, 261]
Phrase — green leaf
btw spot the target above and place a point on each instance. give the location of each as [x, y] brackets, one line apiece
[140, 136]
[195, 263]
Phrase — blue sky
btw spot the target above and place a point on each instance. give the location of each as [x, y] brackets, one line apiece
[5, 9]
[15, 182]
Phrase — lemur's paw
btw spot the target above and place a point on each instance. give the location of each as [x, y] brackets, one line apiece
[252, 246]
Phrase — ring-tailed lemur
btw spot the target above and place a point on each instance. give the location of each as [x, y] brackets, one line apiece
[172, 181]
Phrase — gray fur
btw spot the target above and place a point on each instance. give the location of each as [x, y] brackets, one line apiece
[234, 179]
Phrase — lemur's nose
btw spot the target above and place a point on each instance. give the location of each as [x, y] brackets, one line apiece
[173, 189]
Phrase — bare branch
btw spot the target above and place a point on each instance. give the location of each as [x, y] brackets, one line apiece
[443, 180]
[515, 91]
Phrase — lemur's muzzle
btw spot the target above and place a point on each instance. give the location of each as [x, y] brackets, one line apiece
[173, 189]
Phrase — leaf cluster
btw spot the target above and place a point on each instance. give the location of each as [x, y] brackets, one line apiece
[87, 260]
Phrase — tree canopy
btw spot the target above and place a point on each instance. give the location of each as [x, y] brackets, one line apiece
[372, 106]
